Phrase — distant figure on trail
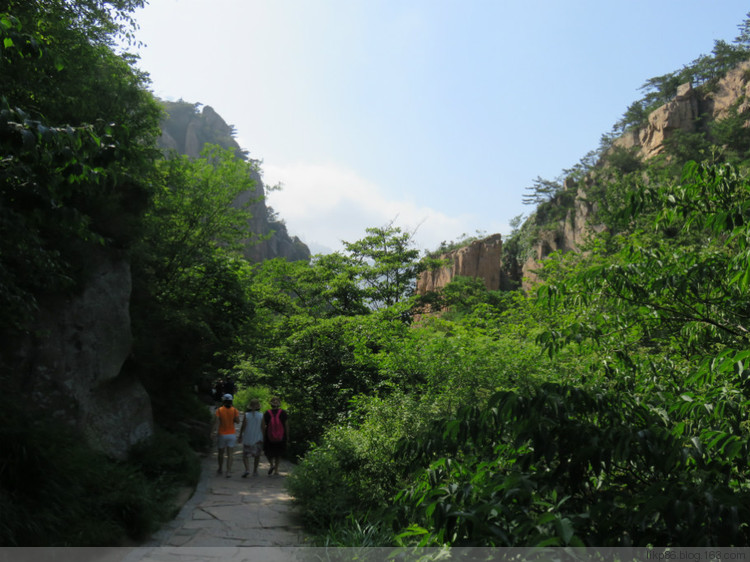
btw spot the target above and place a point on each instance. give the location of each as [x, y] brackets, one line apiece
[226, 416]
[218, 390]
[251, 436]
[228, 387]
[275, 434]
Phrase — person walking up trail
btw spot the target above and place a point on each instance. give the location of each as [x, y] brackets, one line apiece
[226, 417]
[275, 428]
[251, 437]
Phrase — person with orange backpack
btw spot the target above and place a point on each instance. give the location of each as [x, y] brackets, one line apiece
[275, 427]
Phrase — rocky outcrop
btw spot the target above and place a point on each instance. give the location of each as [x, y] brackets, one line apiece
[687, 112]
[680, 114]
[731, 91]
[71, 366]
[482, 259]
[186, 130]
[567, 235]
[272, 240]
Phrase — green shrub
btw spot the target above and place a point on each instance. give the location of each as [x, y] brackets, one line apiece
[365, 531]
[263, 393]
[565, 466]
[354, 468]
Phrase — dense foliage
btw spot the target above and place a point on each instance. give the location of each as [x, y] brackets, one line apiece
[76, 137]
[608, 408]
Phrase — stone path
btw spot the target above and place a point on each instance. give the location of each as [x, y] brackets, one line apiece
[226, 515]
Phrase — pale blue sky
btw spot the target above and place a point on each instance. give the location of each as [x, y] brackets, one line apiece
[435, 113]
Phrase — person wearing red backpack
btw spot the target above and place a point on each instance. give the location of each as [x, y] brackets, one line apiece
[275, 427]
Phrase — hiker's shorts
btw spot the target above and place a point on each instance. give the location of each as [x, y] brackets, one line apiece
[228, 440]
[253, 450]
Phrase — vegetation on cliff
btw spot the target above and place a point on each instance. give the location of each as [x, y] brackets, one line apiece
[81, 174]
[609, 173]
[77, 138]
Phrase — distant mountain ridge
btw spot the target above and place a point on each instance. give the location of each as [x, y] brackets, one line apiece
[186, 130]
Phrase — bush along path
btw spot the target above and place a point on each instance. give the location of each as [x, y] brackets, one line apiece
[235, 511]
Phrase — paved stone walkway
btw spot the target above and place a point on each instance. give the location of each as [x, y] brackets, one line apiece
[226, 515]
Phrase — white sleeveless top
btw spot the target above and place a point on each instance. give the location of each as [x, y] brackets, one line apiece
[252, 433]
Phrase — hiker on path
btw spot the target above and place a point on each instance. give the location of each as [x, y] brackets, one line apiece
[228, 386]
[251, 436]
[275, 428]
[218, 390]
[226, 416]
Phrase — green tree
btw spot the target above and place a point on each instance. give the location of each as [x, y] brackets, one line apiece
[77, 131]
[542, 191]
[732, 136]
[743, 39]
[319, 365]
[387, 265]
[194, 213]
[190, 307]
[636, 115]
[327, 286]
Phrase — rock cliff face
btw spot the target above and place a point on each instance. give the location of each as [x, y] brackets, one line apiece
[482, 259]
[686, 112]
[186, 130]
[71, 366]
[732, 90]
[570, 233]
[680, 114]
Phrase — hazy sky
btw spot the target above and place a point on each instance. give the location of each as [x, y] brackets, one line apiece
[435, 113]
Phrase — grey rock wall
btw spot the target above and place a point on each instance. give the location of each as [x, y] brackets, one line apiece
[72, 363]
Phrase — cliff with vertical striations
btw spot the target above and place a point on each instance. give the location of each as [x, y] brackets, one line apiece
[482, 259]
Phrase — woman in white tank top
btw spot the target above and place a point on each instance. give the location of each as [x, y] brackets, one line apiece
[251, 437]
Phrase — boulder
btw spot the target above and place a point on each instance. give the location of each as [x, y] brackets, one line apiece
[72, 364]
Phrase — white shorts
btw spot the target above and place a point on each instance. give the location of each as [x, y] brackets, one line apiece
[228, 440]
